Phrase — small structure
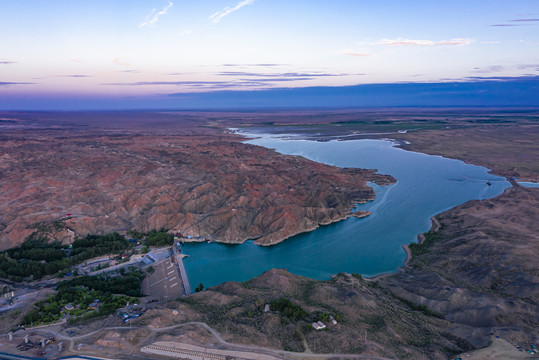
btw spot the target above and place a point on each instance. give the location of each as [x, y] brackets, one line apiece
[42, 342]
[267, 308]
[93, 305]
[332, 319]
[26, 339]
[10, 336]
[60, 346]
[69, 307]
[318, 325]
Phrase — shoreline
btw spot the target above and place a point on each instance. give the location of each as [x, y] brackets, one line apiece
[435, 226]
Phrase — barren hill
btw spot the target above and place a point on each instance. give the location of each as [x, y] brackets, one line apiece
[118, 171]
[478, 277]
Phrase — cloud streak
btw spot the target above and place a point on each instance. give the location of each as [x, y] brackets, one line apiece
[120, 62]
[215, 18]
[528, 67]
[409, 42]
[7, 62]
[488, 69]
[153, 16]
[353, 53]
[75, 76]
[207, 85]
[179, 83]
[280, 75]
[254, 65]
[7, 83]
[520, 22]
[274, 79]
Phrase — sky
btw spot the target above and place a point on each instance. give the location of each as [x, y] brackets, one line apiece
[92, 54]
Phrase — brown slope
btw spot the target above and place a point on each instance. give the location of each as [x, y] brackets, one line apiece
[373, 321]
[482, 272]
[197, 181]
[480, 276]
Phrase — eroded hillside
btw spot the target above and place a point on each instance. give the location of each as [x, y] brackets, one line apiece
[196, 180]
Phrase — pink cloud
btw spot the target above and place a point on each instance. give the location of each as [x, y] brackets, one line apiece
[353, 53]
[409, 42]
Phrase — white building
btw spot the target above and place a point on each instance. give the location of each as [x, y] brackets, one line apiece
[318, 325]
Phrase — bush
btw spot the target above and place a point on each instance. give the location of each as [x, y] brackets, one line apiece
[37, 257]
[288, 308]
[159, 238]
[430, 238]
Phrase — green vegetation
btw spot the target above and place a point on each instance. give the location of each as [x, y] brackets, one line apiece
[419, 307]
[97, 245]
[357, 276]
[288, 308]
[37, 257]
[152, 238]
[136, 234]
[430, 238]
[128, 284]
[199, 288]
[159, 238]
[90, 296]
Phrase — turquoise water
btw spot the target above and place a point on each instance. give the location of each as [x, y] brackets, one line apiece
[426, 185]
[529, 184]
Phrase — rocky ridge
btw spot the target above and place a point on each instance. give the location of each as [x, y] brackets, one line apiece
[70, 182]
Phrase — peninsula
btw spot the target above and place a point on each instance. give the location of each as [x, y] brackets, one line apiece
[105, 172]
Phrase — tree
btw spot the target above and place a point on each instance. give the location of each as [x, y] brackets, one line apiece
[199, 288]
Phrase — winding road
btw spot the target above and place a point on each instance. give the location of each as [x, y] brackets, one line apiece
[285, 355]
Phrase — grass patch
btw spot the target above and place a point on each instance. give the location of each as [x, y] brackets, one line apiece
[430, 238]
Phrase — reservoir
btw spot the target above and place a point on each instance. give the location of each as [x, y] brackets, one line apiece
[426, 185]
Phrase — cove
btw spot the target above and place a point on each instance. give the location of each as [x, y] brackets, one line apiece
[426, 185]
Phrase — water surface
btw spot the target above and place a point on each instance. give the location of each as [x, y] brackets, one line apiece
[426, 185]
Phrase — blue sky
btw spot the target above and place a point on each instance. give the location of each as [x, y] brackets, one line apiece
[87, 54]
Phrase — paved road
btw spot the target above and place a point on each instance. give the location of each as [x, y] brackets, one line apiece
[231, 346]
[183, 273]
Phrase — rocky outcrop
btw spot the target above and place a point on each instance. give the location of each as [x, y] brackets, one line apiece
[204, 185]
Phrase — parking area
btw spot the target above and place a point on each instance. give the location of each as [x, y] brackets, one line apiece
[165, 281]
